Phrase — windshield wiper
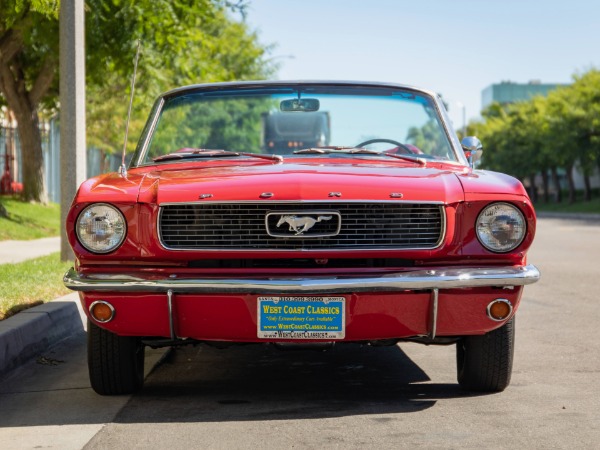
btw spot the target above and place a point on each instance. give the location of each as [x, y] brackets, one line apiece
[277, 158]
[334, 150]
[194, 153]
[209, 153]
[358, 151]
[326, 149]
[305, 151]
[416, 159]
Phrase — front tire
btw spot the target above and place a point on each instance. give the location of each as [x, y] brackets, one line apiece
[484, 363]
[115, 363]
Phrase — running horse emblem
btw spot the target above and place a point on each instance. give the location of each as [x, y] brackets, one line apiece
[301, 224]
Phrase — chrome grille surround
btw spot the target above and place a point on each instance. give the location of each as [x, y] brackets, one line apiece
[240, 226]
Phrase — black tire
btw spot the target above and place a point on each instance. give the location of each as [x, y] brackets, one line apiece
[484, 363]
[115, 363]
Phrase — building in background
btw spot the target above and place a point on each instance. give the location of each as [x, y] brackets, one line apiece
[509, 92]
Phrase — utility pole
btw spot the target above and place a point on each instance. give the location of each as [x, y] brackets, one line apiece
[72, 110]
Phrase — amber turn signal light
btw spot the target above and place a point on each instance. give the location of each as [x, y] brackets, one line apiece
[499, 310]
[102, 311]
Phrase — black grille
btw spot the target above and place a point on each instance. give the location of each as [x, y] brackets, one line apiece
[365, 226]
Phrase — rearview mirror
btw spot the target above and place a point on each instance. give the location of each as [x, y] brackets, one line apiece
[300, 105]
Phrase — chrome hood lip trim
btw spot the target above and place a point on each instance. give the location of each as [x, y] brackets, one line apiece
[440, 278]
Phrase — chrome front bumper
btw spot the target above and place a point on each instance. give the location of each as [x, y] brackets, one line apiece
[442, 278]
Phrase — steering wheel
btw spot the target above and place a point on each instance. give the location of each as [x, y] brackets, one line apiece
[386, 141]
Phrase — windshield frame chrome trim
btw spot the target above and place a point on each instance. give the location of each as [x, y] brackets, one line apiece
[148, 133]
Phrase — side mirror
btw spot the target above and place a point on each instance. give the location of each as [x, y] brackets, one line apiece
[472, 148]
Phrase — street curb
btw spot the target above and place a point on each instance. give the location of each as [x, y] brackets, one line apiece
[574, 216]
[31, 332]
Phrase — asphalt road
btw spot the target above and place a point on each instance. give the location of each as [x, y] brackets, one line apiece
[395, 397]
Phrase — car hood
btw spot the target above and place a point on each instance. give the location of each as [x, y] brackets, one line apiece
[481, 182]
[302, 181]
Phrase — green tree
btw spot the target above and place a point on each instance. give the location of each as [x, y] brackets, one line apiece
[574, 128]
[206, 46]
[518, 140]
[580, 123]
[28, 66]
[544, 134]
[184, 41]
[542, 156]
[511, 142]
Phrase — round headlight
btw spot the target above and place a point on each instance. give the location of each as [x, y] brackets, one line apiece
[501, 227]
[100, 228]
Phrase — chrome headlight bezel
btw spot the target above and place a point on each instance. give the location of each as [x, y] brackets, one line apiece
[121, 227]
[485, 233]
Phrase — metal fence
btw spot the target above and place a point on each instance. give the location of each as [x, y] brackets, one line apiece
[11, 157]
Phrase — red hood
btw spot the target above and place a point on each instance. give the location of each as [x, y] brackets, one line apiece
[481, 182]
[111, 187]
[303, 181]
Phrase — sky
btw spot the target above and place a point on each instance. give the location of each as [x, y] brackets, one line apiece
[454, 47]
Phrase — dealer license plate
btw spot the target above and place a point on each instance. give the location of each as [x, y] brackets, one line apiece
[301, 317]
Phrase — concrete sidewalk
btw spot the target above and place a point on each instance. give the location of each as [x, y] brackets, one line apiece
[17, 251]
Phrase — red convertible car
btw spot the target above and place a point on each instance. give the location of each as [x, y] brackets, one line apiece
[312, 213]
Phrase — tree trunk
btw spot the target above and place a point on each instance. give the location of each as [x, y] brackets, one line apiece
[533, 188]
[23, 100]
[571, 183]
[598, 168]
[545, 186]
[556, 183]
[104, 159]
[34, 186]
[587, 188]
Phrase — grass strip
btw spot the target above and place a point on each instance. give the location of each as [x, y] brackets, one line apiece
[27, 221]
[580, 206]
[31, 283]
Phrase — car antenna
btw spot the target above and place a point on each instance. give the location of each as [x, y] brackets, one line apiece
[123, 168]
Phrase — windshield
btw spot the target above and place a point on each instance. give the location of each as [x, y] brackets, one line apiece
[298, 121]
